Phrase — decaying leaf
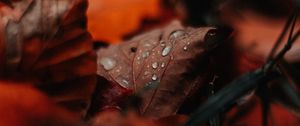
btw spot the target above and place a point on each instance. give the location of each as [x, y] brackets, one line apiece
[45, 42]
[162, 66]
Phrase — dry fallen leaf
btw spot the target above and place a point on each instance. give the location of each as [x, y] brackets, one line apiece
[47, 43]
[163, 66]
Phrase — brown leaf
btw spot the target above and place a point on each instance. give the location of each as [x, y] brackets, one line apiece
[163, 66]
[47, 43]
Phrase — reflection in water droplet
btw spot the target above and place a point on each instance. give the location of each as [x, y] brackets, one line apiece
[154, 65]
[145, 54]
[108, 63]
[211, 33]
[166, 50]
[122, 81]
[185, 48]
[162, 43]
[176, 34]
[154, 77]
[125, 82]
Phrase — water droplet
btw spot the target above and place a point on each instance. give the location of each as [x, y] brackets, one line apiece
[166, 50]
[185, 48]
[162, 43]
[163, 65]
[177, 34]
[146, 54]
[125, 83]
[154, 77]
[210, 35]
[154, 65]
[212, 32]
[122, 81]
[108, 63]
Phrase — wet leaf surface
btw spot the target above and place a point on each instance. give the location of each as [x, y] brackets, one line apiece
[162, 66]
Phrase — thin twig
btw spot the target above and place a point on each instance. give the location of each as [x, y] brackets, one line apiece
[281, 36]
[263, 89]
[287, 47]
[239, 87]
